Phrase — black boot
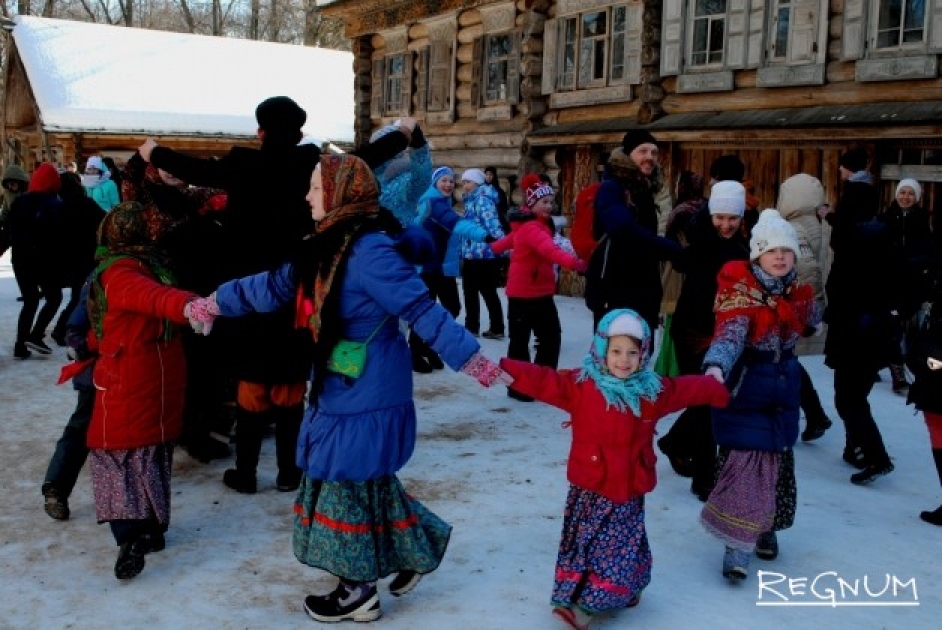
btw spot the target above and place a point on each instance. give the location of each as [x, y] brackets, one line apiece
[935, 516]
[249, 431]
[417, 347]
[287, 427]
[900, 383]
[130, 560]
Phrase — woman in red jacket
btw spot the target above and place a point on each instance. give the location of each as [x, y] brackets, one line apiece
[614, 403]
[139, 377]
[531, 280]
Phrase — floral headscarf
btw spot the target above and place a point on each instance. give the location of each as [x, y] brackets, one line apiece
[623, 393]
[128, 231]
[351, 200]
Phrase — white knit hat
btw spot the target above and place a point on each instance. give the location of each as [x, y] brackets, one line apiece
[728, 197]
[475, 175]
[911, 183]
[770, 232]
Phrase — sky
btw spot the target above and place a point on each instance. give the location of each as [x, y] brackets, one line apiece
[494, 468]
[89, 76]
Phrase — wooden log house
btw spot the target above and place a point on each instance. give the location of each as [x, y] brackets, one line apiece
[552, 85]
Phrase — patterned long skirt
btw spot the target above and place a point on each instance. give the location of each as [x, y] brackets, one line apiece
[755, 492]
[132, 484]
[604, 557]
[363, 531]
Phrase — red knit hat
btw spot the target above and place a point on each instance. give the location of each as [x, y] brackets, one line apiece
[534, 189]
[45, 179]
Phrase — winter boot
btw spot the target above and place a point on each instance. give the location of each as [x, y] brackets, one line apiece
[287, 427]
[871, 473]
[418, 349]
[20, 351]
[854, 456]
[358, 601]
[249, 431]
[767, 546]
[56, 505]
[900, 384]
[130, 561]
[815, 426]
[935, 516]
[36, 343]
[735, 564]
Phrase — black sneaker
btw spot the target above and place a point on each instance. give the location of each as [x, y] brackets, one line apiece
[240, 482]
[490, 334]
[58, 337]
[38, 345]
[767, 546]
[56, 506]
[130, 561]
[934, 517]
[871, 473]
[356, 601]
[403, 582]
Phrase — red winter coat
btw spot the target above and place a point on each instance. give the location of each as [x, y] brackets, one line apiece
[140, 378]
[531, 263]
[612, 452]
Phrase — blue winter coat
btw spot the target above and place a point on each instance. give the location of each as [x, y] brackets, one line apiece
[440, 221]
[361, 429]
[480, 206]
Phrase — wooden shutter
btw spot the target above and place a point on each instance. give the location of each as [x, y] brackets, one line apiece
[755, 46]
[672, 41]
[853, 40]
[934, 24]
[477, 71]
[634, 22]
[513, 70]
[440, 77]
[737, 29]
[376, 88]
[803, 31]
[405, 108]
[422, 80]
[550, 53]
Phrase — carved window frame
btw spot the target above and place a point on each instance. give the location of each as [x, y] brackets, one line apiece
[396, 70]
[437, 62]
[498, 21]
[709, 21]
[571, 44]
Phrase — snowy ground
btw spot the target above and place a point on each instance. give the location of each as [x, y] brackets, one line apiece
[495, 469]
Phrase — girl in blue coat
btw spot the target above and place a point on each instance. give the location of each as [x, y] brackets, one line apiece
[352, 516]
[438, 219]
[761, 312]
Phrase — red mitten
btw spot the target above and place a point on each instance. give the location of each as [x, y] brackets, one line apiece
[485, 371]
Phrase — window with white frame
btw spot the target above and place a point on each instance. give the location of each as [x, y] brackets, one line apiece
[794, 29]
[708, 33]
[598, 48]
[900, 23]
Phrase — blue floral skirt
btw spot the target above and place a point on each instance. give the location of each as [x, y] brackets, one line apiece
[604, 557]
[364, 531]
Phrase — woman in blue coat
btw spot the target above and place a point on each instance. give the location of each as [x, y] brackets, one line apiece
[352, 516]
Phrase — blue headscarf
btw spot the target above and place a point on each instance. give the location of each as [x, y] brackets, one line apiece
[624, 393]
[431, 194]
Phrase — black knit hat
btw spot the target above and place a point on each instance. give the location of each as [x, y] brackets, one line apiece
[854, 160]
[634, 137]
[280, 114]
[727, 168]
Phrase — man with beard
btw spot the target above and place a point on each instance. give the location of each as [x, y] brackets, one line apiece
[625, 268]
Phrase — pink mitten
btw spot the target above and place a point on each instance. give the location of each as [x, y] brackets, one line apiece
[484, 371]
[202, 312]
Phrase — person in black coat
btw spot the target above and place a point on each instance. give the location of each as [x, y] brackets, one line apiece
[266, 219]
[81, 216]
[35, 230]
[716, 237]
[863, 302]
[625, 268]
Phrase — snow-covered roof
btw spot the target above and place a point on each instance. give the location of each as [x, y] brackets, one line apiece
[94, 77]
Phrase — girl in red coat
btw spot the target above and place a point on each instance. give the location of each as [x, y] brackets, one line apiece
[139, 377]
[531, 281]
[615, 401]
